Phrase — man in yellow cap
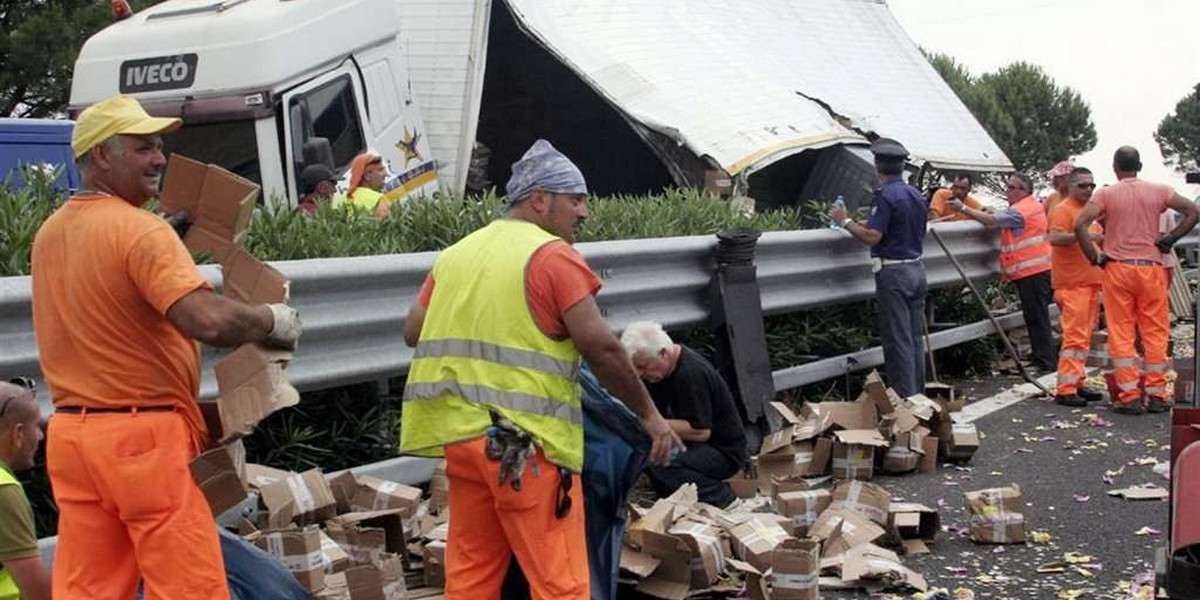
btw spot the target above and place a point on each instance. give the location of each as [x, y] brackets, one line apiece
[22, 574]
[117, 307]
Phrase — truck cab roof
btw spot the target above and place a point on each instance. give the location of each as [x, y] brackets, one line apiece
[200, 47]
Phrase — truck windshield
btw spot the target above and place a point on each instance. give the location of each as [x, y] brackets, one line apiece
[230, 145]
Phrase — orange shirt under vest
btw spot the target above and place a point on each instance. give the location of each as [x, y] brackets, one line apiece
[1069, 265]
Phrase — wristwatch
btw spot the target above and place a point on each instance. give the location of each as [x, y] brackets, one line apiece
[846, 222]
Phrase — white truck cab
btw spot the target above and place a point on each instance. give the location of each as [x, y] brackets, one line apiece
[266, 87]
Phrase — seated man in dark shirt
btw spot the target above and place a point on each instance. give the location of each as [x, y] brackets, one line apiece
[698, 406]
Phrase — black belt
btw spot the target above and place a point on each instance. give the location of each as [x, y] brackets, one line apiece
[75, 410]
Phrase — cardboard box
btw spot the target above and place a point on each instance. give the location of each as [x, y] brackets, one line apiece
[707, 555]
[221, 204]
[672, 579]
[778, 440]
[664, 512]
[1185, 380]
[1098, 352]
[997, 515]
[343, 486]
[389, 521]
[869, 499]
[363, 545]
[943, 394]
[299, 550]
[302, 498]
[247, 279]
[252, 385]
[260, 476]
[963, 442]
[847, 415]
[929, 459]
[434, 558]
[756, 584]
[854, 453]
[813, 423]
[796, 570]
[923, 408]
[333, 558]
[439, 489]
[362, 582]
[843, 528]
[391, 572]
[877, 392]
[912, 521]
[375, 494]
[901, 456]
[218, 477]
[639, 564]
[755, 540]
[802, 509]
[870, 563]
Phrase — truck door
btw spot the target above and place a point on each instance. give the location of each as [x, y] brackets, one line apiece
[329, 107]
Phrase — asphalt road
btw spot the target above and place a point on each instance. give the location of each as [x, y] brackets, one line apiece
[1059, 457]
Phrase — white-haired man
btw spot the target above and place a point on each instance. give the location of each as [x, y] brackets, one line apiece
[698, 406]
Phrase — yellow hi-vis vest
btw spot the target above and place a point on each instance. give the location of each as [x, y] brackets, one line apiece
[480, 348]
[8, 587]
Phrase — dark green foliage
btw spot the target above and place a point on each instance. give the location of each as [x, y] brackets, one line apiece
[1178, 135]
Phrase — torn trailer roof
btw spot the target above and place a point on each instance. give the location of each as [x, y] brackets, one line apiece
[744, 85]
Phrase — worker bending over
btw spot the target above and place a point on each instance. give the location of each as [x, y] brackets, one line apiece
[117, 306]
[22, 574]
[1024, 260]
[1135, 282]
[1077, 284]
[500, 326]
[896, 234]
[698, 406]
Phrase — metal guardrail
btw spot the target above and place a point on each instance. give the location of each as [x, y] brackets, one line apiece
[353, 308]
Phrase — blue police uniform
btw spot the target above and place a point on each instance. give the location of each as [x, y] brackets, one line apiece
[899, 212]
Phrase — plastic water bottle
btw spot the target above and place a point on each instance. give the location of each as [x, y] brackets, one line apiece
[840, 201]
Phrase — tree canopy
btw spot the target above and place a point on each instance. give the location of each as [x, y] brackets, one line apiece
[1035, 121]
[39, 42]
[1178, 135]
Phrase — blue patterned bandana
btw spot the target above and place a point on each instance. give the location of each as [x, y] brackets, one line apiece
[547, 168]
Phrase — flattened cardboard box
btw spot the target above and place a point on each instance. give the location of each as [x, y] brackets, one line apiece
[867, 498]
[221, 204]
[997, 515]
[708, 556]
[218, 477]
[377, 494]
[247, 279]
[844, 528]
[847, 415]
[303, 498]
[640, 564]
[802, 508]
[252, 385]
[872, 563]
[672, 580]
[754, 541]
[299, 550]
[796, 570]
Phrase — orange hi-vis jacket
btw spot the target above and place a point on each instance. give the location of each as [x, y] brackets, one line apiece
[1029, 253]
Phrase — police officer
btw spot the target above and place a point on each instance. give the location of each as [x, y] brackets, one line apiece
[896, 234]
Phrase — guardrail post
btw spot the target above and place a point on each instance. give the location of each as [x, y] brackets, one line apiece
[737, 322]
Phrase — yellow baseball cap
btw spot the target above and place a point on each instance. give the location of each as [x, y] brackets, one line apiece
[119, 115]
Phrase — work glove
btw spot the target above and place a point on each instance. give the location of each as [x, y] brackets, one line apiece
[512, 447]
[1165, 243]
[286, 329]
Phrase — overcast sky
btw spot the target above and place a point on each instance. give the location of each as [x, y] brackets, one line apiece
[1131, 60]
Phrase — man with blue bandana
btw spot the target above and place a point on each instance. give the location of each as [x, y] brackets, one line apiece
[500, 327]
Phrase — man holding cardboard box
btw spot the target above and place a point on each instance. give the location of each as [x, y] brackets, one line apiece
[500, 326]
[118, 305]
[698, 407]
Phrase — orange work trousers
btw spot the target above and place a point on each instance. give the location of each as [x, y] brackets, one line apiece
[1135, 299]
[1080, 307]
[490, 523]
[129, 510]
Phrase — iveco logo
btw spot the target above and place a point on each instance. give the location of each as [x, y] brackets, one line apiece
[158, 73]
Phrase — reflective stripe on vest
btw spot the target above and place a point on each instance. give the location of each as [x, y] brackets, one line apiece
[1029, 253]
[8, 587]
[480, 349]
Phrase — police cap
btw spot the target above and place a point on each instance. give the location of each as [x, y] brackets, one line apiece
[888, 148]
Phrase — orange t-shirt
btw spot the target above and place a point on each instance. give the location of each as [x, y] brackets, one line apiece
[1130, 210]
[938, 205]
[557, 279]
[104, 275]
[1052, 201]
[1069, 266]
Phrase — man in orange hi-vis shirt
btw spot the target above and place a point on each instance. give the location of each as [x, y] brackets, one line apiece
[1135, 282]
[117, 307]
[1076, 283]
[960, 189]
